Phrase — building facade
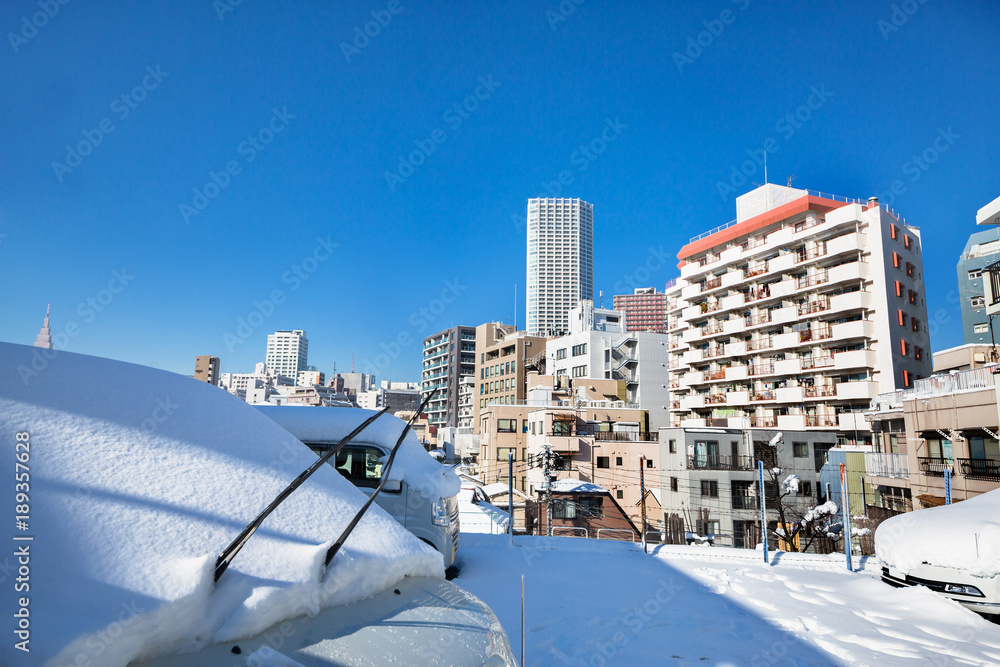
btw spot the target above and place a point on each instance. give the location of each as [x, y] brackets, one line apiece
[645, 310]
[560, 261]
[981, 250]
[207, 369]
[447, 356]
[795, 315]
[310, 377]
[503, 355]
[287, 353]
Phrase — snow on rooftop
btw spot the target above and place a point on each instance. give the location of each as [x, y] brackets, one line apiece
[576, 486]
[964, 535]
[139, 478]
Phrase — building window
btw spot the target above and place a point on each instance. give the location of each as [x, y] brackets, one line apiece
[562, 427]
[649, 463]
[805, 488]
[506, 426]
[603, 461]
[909, 269]
[906, 378]
[899, 288]
[619, 494]
[561, 353]
[524, 426]
[618, 460]
[579, 349]
[673, 446]
[800, 449]
[504, 452]
[981, 328]
[579, 371]
[906, 241]
[902, 318]
[710, 488]
[895, 260]
[977, 302]
[892, 231]
[973, 275]
[902, 347]
[673, 483]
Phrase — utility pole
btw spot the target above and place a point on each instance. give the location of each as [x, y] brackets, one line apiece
[547, 487]
[642, 490]
[845, 506]
[763, 510]
[510, 496]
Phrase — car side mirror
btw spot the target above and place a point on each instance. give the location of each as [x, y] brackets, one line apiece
[392, 486]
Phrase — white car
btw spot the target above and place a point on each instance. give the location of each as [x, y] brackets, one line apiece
[952, 549]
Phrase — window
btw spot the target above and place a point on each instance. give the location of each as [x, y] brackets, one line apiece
[902, 347]
[673, 483]
[906, 378]
[800, 449]
[710, 488]
[906, 241]
[981, 328]
[561, 353]
[618, 460]
[579, 349]
[899, 288]
[805, 488]
[524, 426]
[504, 452]
[649, 463]
[895, 260]
[603, 461]
[978, 273]
[902, 318]
[977, 302]
[909, 269]
[673, 446]
[561, 427]
[913, 296]
[506, 426]
[579, 371]
[359, 464]
[619, 494]
[892, 231]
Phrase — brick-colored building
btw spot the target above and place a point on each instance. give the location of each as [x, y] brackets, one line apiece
[645, 310]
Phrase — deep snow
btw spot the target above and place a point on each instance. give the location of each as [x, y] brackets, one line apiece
[138, 479]
[601, 603]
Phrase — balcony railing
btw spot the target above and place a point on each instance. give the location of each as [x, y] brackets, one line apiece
[816, 362]
[761, 369]
[711, 284]
[717, 351]
[815, 279]
[820, 420]
[716, 399]
[716, 375]
[711, 330]
[804, 254]
[984, 469]
[756, 270]
[762, 396]
[623, 436]
[745, 503]
[764, 422]
[821, 333]
[933, 466]
[885, 464]
[820, 391]
[754, 242]
[814, 306]
[759, 344]
[720, 462]
[752, 320]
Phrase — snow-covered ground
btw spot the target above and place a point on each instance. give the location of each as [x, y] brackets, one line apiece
[601, 603]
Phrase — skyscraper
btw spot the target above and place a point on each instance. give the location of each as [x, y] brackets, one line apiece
[287, 353]
[44, 338]
[560, 261]
[447, 356]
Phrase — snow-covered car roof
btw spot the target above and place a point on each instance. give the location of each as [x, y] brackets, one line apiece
[413, 463]
[963, 536]
[138, 479]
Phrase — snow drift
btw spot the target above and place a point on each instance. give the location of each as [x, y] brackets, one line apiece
[138, 479]
[964, 535]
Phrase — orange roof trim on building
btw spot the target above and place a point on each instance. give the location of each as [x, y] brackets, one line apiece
[800, 205]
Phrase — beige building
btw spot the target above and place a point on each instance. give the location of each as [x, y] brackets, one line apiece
[945, 423]
[207, 369]
[599, 438]
[502, 356]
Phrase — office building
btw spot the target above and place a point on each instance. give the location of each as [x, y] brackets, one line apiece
[207, 369]
[560, 262]
[503, 356]
[981, 250]
[287, 353]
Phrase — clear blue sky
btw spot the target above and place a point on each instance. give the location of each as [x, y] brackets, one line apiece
[682, 123]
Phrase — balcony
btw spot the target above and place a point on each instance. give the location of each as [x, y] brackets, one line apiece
[816, 333]
[734, 373]
[857, 390]
[692, 402]
[761, 369]
[745, 503]
[791, 422]
[790, 394]
[718, 374]
[820, 421]
[755, 270]
[933, 466]
[712, 329]
[815, 279]
[711, 284]
[812, 252]
[816, 362]
[757, 320]
[764, 422]
[720, 462]
[759, 344]
[717, 351]
[883, 464]
[625, 436]
[788, 366]
[855, 359]
[762, 396]
[737, 397]
[820, 391]
[983, 469]
[716, 399]
[817, 306]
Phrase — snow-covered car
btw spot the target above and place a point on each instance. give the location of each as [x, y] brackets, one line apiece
[952, 549]
[127, 484]
[420, 493]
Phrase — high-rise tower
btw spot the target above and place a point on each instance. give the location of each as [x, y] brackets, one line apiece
[44, 338]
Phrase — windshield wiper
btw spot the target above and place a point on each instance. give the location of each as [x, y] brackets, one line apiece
[335, 547]
[229, 553]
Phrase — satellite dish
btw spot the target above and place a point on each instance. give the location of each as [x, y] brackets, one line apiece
[776, 439]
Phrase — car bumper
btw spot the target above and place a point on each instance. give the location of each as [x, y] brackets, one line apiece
[980, 605]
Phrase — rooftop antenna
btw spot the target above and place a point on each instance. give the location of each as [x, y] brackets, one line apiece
[515, 306]
[790, 179]
[765, 167]
[601, 293]
[352, 362]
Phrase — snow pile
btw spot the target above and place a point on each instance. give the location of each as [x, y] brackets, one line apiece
[421, 471]
[827, 509]
[964, 535]
[791, 484]
[576, 486]
[138, 479]
[478, 515]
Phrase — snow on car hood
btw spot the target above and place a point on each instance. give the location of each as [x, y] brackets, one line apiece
[964, 535]
[413, 464]
[138, 479]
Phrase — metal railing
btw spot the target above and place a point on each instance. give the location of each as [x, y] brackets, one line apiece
[631, 534]
[572, 530]
[712, 231]
[719, 462]
[938, 385]
[886, 464]
[741, 502]
[983, 469]
[933, 466]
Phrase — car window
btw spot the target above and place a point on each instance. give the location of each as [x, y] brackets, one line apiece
[358, 463]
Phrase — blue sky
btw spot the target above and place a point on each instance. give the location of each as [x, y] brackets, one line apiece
[243, 175]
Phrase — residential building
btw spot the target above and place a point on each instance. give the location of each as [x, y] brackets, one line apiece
[355, 383]
[207, 369]
[796, 314]
[239, 383]
[981, 250]
[287, 353]
[709, 487]
[316, 395]
[447, 356]
[582, 509]
[44, 338]
[597, 346]
[964, 357]
[312, 377]
[947, 423]
[466, 407]
[598, 440]
[560, 262]
[645, 310]
[502, 358]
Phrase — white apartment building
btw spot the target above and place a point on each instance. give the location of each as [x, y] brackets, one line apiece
[796, 314]
[466, 408]
[240, 383]
[597, 346]
[560, 261]
[287, 353]
[311, 377]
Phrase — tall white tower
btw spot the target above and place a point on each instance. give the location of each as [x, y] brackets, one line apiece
[287, 353]
[44, 338]
[560, 261]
